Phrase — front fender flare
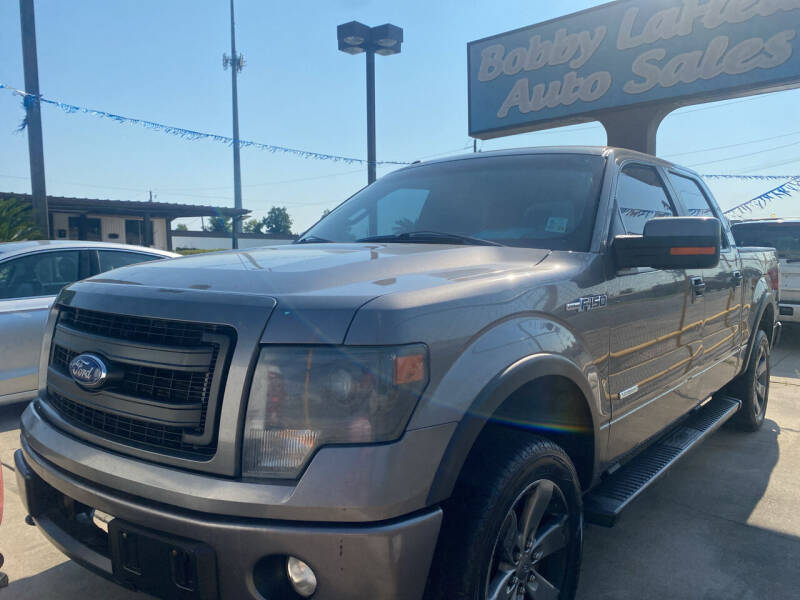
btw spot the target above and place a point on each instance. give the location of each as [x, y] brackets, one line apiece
[487, 402]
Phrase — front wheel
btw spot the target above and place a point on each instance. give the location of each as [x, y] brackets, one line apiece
[513, 529]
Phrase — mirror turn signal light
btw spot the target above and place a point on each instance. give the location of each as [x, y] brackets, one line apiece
[693, 251]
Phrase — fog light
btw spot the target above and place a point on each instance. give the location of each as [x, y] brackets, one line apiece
[302, 577]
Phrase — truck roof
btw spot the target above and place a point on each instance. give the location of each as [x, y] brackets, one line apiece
[619, 153]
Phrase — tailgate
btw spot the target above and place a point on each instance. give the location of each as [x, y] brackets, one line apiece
[790, 280]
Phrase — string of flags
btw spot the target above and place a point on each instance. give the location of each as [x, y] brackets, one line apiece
[187, 134]
[749, 177]
[791, 182]
[782, 191]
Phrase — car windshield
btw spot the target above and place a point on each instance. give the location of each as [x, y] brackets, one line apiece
[534, 201]
[784, 237]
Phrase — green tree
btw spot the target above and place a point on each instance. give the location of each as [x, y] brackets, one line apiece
[253, 226]
[16, 222]
[219, 224]
[278, 221]
[181, 227]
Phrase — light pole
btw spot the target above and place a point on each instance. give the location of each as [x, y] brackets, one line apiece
[236, 63]
[355, 38]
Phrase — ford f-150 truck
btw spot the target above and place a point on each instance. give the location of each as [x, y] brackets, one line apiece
[423, 397]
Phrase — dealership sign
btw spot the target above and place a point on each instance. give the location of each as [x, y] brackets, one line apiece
[630, 53]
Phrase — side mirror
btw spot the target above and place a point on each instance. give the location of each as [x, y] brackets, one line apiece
[671, 243]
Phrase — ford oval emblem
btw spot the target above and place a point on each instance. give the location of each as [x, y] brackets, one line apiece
[88, 370]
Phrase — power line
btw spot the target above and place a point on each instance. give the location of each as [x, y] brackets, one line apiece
[779, 164]
[709, 162]
[263, 183]
[777, 137]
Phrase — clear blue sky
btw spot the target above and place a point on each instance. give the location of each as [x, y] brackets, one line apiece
[162, 61]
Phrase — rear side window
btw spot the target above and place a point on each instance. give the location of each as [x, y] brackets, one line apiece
[114, 259]
[784, 237]
[641, 196]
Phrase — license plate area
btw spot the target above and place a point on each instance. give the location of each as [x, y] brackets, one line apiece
[165, 566]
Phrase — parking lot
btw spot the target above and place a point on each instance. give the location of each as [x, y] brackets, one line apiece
[723, 524]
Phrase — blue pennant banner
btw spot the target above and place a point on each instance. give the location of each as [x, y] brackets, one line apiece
[792, 185]
[750, 177]
[187, 134]
[782, 191]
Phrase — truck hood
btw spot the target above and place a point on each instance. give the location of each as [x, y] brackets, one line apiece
[362, 270]
[319, 287]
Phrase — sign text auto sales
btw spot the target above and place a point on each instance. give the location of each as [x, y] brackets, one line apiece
[628, 52]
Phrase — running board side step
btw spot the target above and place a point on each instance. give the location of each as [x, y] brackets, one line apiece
[603, 505]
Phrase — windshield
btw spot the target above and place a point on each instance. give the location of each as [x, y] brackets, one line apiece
[784, 237]
[534, 201]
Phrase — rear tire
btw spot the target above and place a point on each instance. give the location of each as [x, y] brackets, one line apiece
[752, 386]
[513, 529]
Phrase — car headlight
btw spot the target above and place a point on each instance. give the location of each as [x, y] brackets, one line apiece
[304, 397]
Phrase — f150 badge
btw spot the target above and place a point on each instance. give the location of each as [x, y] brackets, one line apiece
[587, 303]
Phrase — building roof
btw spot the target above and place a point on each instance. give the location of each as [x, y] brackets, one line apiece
[169, 210]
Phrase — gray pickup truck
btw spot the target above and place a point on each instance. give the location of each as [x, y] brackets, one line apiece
[425, 396]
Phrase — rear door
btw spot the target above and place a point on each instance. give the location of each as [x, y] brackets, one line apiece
[655, 333]
[722, 291]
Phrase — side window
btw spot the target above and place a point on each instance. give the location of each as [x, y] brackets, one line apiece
[694, 199]
[114, 259]
[40, 274]
[641, 196]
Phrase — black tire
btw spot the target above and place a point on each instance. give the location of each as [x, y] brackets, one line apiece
[752, 386]
[511, 472]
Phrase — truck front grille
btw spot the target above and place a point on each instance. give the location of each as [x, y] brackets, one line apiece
[136, 329]
[168, 385]
[140, 434]
[167, 391]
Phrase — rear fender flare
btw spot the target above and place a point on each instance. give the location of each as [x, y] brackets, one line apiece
[766, 298]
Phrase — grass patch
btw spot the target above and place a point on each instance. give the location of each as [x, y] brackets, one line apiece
[190, 251]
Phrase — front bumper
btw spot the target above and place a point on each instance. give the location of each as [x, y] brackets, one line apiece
[389, 559]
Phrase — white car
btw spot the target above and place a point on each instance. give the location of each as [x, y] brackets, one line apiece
[784, 236]
[31, 275]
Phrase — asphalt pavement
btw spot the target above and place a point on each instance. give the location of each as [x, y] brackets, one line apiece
[723, 524]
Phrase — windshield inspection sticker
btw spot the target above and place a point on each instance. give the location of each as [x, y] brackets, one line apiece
[556, 225]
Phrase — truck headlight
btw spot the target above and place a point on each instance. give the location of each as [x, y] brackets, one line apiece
[304, 397]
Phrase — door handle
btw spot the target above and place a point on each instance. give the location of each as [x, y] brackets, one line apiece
[698, 286]
[737, 278]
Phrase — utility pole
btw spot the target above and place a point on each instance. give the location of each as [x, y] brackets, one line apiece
[151, 195]
[236, 63]
[371, 154]
[33, 118]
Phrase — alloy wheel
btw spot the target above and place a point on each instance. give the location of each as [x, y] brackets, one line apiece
[761, 382]
[529, 557]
